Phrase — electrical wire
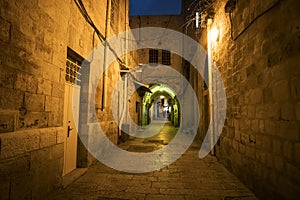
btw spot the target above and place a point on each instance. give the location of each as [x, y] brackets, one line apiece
[234, 38]
[88, 19]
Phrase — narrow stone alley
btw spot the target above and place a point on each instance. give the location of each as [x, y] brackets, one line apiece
[149, 99]
[187, 178]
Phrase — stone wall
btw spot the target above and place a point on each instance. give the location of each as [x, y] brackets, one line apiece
[173, 22]
[34, 36]
[258, 57]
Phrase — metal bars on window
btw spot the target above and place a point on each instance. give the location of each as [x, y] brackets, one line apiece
[166, 57]
[153, 56]
[72, 72]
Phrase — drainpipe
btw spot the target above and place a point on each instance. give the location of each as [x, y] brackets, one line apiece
[124, 110]
[210, 85]
[104, 85]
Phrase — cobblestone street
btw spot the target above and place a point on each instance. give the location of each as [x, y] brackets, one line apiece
[188, 178]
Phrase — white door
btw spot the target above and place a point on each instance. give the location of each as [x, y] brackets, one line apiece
[71, 115]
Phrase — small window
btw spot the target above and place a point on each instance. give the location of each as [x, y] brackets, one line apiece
[166, 57]
[153, 56]
[73, 65]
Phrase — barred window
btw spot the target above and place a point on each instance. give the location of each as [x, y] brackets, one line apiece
[153, 56]
[73, 66]
[72, 72]
[166, 57]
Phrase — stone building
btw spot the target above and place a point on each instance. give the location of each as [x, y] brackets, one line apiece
[255, 46]
[43, 46]
[53, 86]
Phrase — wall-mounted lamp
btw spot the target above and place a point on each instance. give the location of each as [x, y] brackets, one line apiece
[214, 34]
[197, 19]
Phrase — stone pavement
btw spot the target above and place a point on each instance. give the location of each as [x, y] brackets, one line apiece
[187, 178]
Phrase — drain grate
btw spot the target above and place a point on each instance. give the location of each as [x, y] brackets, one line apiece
[137, 148]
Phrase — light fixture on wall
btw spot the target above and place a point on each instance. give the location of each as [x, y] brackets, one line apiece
[214, 34]
[197, 19]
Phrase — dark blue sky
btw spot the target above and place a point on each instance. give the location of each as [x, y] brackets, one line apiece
[155, 7]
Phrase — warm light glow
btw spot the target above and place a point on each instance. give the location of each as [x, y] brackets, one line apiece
[214, 33]
[197, 19]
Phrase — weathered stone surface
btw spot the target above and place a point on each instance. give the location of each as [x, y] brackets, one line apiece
[33, 120]
[17, 143]
[264, 56]
[44, 86]
[26, 82]
[5, 30]
[21, 187]
[7, 122]
[7, 77]
[12, 167]
[48, 137]
[60, 135]
[11, 99]
[34, 102]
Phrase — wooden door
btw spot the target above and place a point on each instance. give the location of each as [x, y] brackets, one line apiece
[71, 115]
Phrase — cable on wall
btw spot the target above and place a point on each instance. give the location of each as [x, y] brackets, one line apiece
[102, 38]
[234, 38]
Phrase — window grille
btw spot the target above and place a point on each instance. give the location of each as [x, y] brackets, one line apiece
[72, 72]
[153, 56]
[166, 57]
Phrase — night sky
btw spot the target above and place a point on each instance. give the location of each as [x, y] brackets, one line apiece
[155, 7]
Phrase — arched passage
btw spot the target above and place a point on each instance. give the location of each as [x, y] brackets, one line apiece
[160, 104]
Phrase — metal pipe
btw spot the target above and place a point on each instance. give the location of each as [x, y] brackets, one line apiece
[104, 85]
[210, 85]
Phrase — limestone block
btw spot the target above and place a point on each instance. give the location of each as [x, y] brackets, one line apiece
[16, 166]
[33, 120]
[40, 157]
[273, 111]
[48, 137]
[26, 82]
[263, 142]
[44, 86]
[57, 151]
[56, 114]
[260, 111]
[19, 142]
[7, 77]
[60, 135]
[5, 30]
[11, 99]
[21, 187]
[288, 111]
[289, 130]
[52, 104]
[261, 126]
[34, 102]
[281, 91]
[58, 89]
[7, 122]
[271, 127]
[51, 72]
